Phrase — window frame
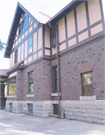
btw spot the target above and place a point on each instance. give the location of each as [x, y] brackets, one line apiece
[30, 45]
[29, 83]
[16, 56]
[55, 79]
[55, 109]
[30, 105]
[87, 85]
[22, 25]
[11, 80]
[53, 35]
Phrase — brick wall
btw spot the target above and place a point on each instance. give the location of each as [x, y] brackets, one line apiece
[42, 81]
[89, 57]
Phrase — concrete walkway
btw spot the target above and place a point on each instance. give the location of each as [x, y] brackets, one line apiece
[22, 124]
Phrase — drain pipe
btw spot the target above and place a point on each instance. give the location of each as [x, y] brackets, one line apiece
[58, 66]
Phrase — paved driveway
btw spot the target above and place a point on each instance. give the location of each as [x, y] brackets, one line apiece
[22, 124]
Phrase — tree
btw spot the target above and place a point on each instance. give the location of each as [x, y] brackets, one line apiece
[2, 45]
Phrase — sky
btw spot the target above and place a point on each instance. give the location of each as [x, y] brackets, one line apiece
[7, 11]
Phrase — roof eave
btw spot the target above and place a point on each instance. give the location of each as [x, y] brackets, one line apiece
[5, 54]
[61, 11]
[18, 10]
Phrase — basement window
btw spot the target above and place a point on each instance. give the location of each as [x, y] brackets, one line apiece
[87, 84]
[55, 109]
[10, 107]
[30, 108]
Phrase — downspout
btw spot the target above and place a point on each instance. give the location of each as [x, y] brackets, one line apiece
[58, 67]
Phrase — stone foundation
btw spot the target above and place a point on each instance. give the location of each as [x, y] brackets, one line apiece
[89, 111]
[40, 108]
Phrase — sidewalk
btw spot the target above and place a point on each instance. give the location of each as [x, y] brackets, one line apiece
[22, 124]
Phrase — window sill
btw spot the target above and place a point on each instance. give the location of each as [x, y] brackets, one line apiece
[87, 98]
[55, 94]
[11, 96]
[30, 95]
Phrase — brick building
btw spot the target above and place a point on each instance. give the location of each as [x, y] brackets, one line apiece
[58, 63]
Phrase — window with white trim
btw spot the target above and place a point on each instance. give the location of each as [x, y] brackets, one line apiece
[87, 84]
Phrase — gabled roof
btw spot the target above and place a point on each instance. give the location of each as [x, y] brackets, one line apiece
[39, 15]
[36, 14]
[41, 18]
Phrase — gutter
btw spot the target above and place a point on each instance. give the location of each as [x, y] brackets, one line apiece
[58, 67]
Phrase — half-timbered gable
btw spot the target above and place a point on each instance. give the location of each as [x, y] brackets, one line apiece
[78, 25]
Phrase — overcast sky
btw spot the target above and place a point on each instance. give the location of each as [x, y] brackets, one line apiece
[7, 11]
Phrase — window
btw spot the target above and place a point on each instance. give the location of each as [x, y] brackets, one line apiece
[53, 41]
[55, 78]
[30, 45]
[87, 84]
[53, 37]
[12, 86]
[30, 108]
[31, 82]
[23, 25]
[21, 28]
[10, 107]
[16, 56]
[55, 109]
[26, 22]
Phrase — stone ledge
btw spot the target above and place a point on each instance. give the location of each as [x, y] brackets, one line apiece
[88, 98]
[55, 94]
[30, 95]
[11, 96]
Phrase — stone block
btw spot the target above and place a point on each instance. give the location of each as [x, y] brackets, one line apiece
[72, 117]
[88, 119]
[93, 115]
[103, 122]
[80, 118]
[96, 121]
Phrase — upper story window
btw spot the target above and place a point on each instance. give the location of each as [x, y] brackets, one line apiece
[53, 37]
[55, 78]
[12, 86]
[87, 84]
[16, 56]
[30, 45]
[31, 81]
[23, 25]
